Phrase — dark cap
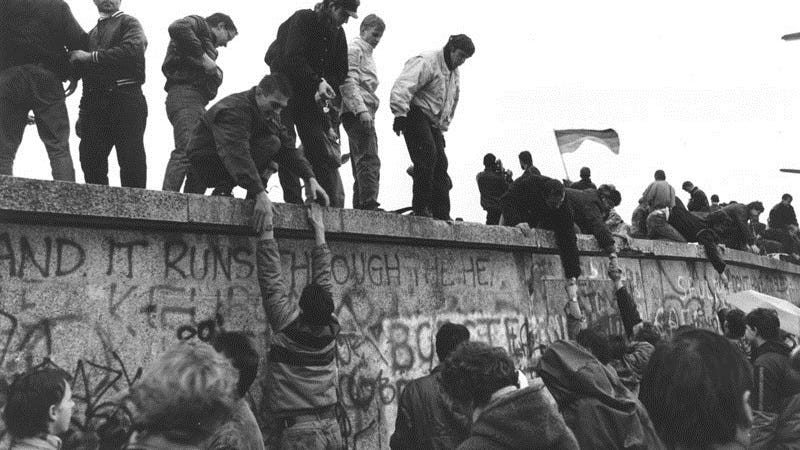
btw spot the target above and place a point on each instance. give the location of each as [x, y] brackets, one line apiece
[350, 6]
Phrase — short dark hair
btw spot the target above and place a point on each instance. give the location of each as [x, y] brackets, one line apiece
[786, 197]
[460, 42]
[756, 205]
[552, 188]
[585, 172]
[693, 388]
[30, 396]
[218, 18]
[525, 157]
[734, 319]
[316, 305]
[372, 21]
[648, 333]
[238, 348]
[450, 336]
[596, 341]
[715, 198]
[475, 371]
[489, 160]
[276, 83]
[687, 185]
[765, 322]
[660, 175]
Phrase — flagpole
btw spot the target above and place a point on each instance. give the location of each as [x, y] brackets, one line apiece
[563, 163]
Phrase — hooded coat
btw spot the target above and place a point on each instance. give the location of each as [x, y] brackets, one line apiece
[524, 419]
[595, 404]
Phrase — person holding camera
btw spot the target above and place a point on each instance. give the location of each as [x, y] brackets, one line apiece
[493, 182]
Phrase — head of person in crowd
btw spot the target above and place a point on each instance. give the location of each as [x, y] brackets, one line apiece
[372, 29]
[609, 195]
[755, 208]
[688, 186]
[525, 160]
[648, 332]
[553, 193]
[38, 405]
[585, 173]
[696, 389]
[338, 12]
[316, 305]
[762, 325]
[715, 199]
[458, 48]
[489, 161]
[660, 175]
[182, 396]
[475, 371]
[786, 199]
[597, 342]
[448, 338]
[273, 93]
[734, 325]
[239, 350]
[107, 6]
[223, 28]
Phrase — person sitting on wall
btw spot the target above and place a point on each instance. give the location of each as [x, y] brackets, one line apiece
[238, 138]
[38, 408]
[426, 416]
[585, 182]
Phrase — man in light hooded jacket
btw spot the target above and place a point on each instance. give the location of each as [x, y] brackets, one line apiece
[423, 101]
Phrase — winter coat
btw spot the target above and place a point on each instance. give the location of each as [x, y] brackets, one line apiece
[596, 405]
[358, 90]
[190, 39]
[731, 222]
[781, 216]
[429, 84]
[427, 418]
[775, 379]
[492, 185]
[524, 419]
[117, 45]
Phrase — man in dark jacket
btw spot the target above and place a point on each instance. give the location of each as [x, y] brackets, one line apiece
[590, 208]
[193, 79]
[776, 381]
[526, 163]
[698, 202]
[301, 374]
[585, 181]
[113, 110]
[427, 418]
[505, 416]
[493, 182]
[695, 229]
[783, 225]
[731, 223]
[311, 50]
[239, 137]
[34, 38]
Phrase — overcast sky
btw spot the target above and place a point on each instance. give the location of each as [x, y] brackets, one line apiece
[705, 90]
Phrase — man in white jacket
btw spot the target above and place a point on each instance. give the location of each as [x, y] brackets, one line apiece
[423, 101]
[359, 104]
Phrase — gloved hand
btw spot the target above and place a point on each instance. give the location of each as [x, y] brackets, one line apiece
[399, 125]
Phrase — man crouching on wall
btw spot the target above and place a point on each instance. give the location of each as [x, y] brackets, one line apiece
[301, 374]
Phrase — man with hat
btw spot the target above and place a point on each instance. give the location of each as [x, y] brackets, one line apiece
[311, 51]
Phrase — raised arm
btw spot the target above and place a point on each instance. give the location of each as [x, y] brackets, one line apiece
[321, 255]
[280, 310]
[628, 310]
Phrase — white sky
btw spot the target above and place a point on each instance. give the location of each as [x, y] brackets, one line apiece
[705, 90]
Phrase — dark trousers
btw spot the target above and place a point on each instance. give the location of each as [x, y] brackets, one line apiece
[708, 239]
[493, 216]
[431, 183]
[26, 88]
[185, 108]
[365, 162]
[114, 118]
[302, 112]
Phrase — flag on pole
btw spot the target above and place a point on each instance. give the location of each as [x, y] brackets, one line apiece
[570, 140]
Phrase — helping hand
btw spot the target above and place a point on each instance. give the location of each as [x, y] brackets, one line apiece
[315, 193]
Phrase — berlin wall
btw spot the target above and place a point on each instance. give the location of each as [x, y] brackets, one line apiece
[100, 280]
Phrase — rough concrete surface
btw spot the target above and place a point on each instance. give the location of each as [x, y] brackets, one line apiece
[101, 279]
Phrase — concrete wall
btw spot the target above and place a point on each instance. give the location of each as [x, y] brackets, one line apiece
[102, 279]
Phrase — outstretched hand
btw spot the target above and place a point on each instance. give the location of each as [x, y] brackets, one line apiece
[263, 212]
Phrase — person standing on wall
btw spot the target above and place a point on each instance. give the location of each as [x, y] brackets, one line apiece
[311, 51]
[193, 79]
[423, 101]
[359, 104]
[113, 110]
[34, 39]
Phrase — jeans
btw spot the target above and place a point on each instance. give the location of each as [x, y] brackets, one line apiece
[185, 108]
[659, 228]
[365, 162]
[431, 183]
[323, 434]
[114, 118]
[26, 88]
[302, 112]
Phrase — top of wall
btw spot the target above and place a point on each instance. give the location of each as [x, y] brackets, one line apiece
[70, 204]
